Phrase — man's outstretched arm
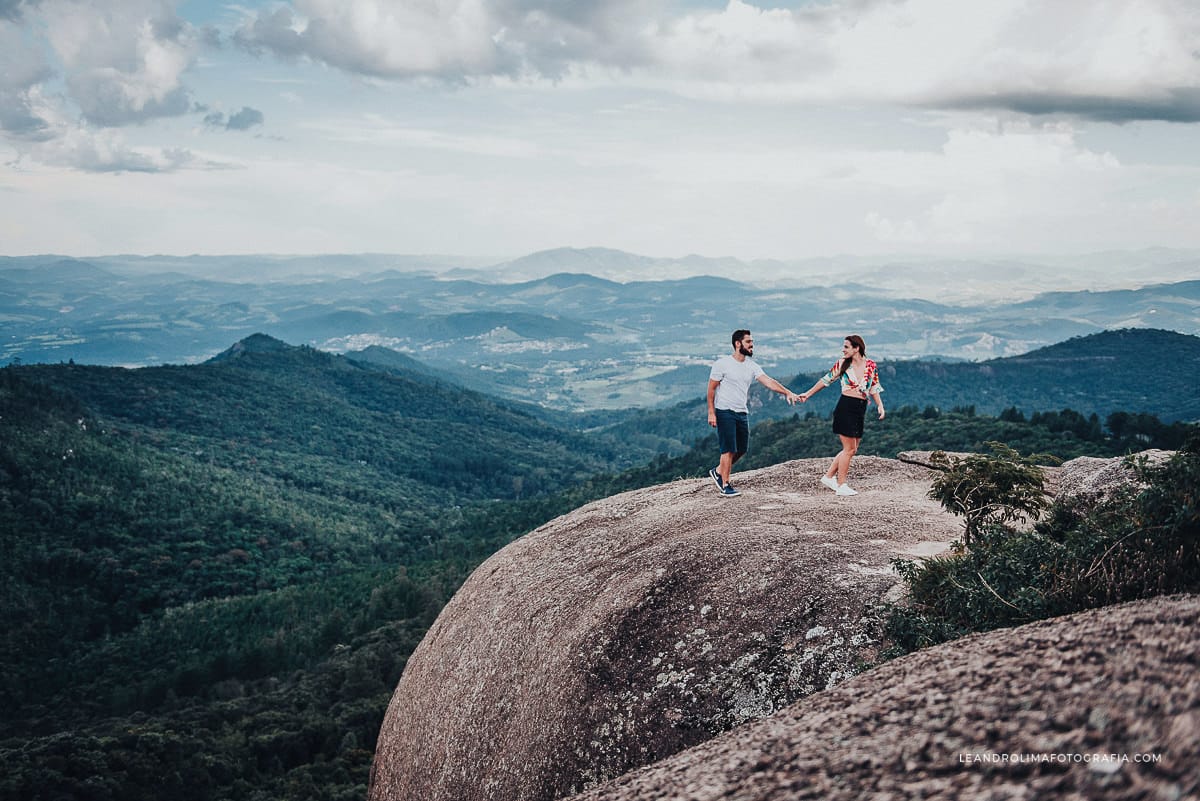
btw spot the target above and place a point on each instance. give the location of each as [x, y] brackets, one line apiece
[775, 386]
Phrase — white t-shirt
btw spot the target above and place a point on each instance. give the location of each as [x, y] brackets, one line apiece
[736, 378]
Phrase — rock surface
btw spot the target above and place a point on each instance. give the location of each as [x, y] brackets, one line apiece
[1081, 481]
[643, 624]
[1119, 682]
[1088, 479]
[925, 458]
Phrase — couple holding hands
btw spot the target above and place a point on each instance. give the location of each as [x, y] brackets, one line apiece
[729, 387]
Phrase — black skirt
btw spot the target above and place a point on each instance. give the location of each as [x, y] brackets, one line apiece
[849, 415]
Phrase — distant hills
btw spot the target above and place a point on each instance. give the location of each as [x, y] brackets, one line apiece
[1139, 370]
[903, 274]
[564, 339]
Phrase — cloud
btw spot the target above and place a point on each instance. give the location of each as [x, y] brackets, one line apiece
[17, 117]
[454, 39]
[116, 63]
[743, 45]
[22, 69]
[42, 127]
[990, 183]
[123, 62]
[245, 119]
[1174, 105]
[374, 129]
[1109, 60]
[372, 37]
[242, 120]
[13, 9]
[550, 38]
[92, 154]
[82, 148]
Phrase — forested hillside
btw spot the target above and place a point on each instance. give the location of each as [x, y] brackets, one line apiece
[295, 408]
[219, 570]
[1132, 370]
[212, 575]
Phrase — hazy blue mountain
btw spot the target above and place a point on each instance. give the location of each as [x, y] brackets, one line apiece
[245, 268]
[575, 260]
[60, 270]
[565, 339]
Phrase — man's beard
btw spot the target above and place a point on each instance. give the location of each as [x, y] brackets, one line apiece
[745, 351]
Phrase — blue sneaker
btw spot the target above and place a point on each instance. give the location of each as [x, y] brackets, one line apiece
[716, 477]
[728, 491]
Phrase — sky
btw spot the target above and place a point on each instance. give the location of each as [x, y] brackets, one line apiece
[496, 128]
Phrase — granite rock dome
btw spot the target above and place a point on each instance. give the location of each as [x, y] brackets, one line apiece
[643, 624]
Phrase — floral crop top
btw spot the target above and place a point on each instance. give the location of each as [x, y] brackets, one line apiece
[869, 386]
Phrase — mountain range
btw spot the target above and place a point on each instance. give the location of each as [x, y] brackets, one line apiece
[565, 339]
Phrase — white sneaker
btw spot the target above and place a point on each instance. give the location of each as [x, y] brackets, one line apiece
[844, 489]
[830, 482]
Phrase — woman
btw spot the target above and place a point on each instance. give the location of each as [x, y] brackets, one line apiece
[859, 378]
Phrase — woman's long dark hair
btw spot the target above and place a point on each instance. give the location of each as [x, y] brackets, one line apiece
[856, 341]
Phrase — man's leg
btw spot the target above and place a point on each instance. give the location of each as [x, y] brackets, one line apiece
[727, 460]
[727, 440]
[741, 443]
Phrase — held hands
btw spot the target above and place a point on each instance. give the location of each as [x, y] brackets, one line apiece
[792, 397]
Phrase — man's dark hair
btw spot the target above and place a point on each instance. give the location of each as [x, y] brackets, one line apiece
[739, 335]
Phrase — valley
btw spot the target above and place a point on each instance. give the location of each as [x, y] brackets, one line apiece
[566, 340]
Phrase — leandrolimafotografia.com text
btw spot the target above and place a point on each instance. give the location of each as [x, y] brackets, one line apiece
[1020, 758]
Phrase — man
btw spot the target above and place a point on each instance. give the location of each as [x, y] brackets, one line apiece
[728, 389]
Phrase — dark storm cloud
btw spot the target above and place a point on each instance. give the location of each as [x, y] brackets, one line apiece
[1176, 105]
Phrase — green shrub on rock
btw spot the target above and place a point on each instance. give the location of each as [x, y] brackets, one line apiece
[990, 489]
[1139, 542]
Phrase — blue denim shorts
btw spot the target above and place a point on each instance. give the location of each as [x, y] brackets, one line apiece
[733, 431]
